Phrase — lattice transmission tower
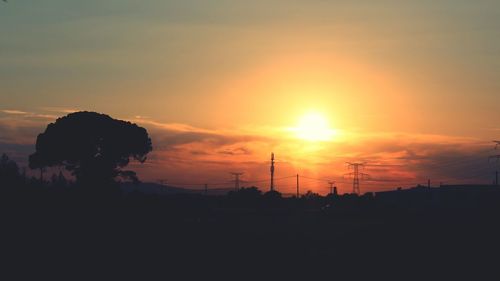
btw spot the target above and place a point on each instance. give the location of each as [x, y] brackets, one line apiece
[356, 175]
[237, 180]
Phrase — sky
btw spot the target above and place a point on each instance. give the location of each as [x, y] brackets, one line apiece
[411, 88]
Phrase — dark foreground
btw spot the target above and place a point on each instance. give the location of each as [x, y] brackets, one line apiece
[70, 234]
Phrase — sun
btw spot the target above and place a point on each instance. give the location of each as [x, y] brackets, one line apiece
[314, 127]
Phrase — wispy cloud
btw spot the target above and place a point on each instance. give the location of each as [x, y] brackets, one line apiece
[25, 114]
[394, 159]
[59, 110]
[14, 112]
[168, 135]
[22, 127]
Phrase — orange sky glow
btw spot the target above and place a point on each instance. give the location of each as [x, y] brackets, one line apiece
[410, 89]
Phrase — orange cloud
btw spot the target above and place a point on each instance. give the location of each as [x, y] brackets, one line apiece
[394, 159]
[188, 155]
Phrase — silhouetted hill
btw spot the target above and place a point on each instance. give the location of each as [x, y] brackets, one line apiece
[154, 188]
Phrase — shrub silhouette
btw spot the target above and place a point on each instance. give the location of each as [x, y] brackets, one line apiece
[93, 147]
[311, 195]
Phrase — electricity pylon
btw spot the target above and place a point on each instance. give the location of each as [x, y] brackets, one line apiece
[356, 176]
[237, 180]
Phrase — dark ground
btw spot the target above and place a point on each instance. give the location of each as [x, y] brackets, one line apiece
[73, 234]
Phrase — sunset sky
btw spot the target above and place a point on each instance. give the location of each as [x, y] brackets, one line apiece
[412, 88]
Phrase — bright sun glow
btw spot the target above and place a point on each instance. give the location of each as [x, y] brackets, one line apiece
[314, 127]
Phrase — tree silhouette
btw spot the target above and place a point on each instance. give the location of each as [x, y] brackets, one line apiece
[93, 147]
[248, 193]
[273, 195]
[9, 171]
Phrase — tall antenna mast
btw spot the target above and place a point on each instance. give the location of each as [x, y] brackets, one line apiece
[272, 171]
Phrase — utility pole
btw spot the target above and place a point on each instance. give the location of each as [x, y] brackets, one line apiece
[298, 194]
[272, 171]
[331, 183]
[356, 176]
[496, 172]
[237, 180]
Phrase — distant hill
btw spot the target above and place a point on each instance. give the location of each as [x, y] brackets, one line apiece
[155, 188]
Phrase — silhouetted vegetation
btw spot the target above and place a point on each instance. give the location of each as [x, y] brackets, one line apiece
[226, 234]
[93, 147]
[9, 172]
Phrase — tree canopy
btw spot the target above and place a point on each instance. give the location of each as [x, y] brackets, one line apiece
[94, 147]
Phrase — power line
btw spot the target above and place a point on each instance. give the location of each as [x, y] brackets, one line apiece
[451, 159]
[474, 171]
[267, 180]
[316, 179]
[164, 182]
